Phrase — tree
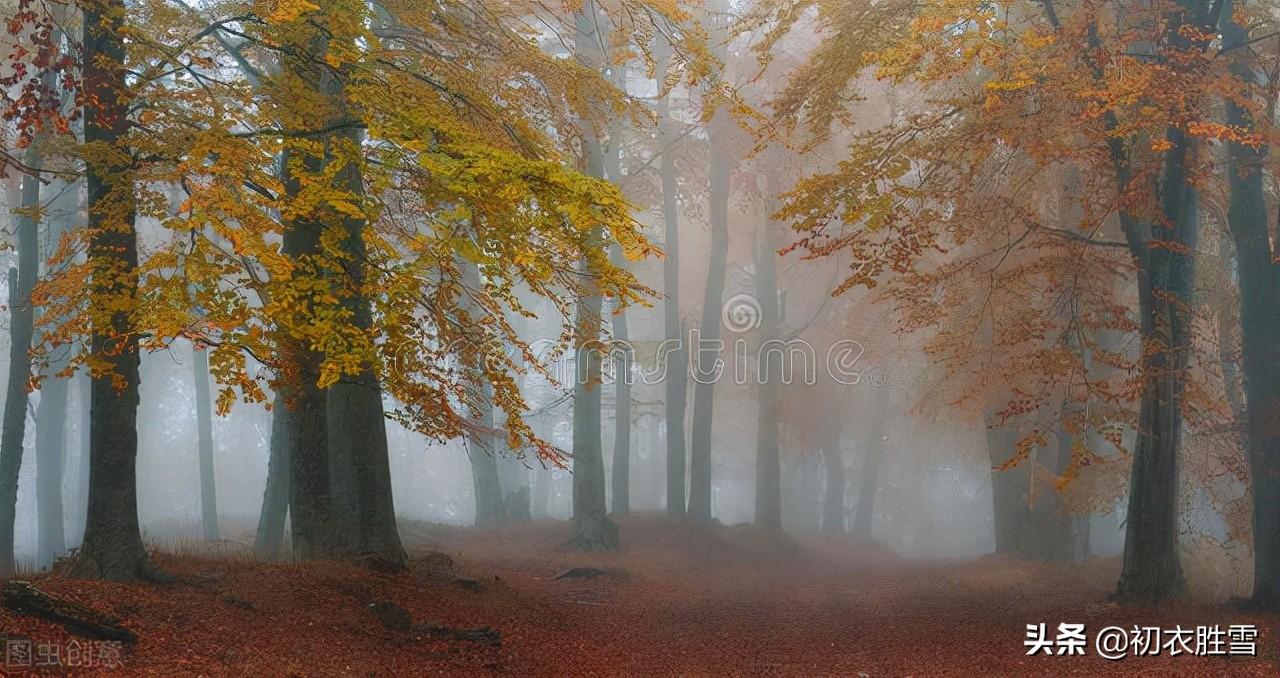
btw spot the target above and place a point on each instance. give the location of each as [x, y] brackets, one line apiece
[1131, 87]
[1259, 276]
[719, 168]
[112, 547]
[204, 441]
[21, 318]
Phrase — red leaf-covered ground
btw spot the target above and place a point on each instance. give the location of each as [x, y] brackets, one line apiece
[677, 599]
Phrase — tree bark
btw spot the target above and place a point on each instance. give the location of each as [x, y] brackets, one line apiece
[483, 449]
[308, 434]
[769, 362]
[720, 165]
[1259, 278]
[275, 497]
[833, 495]
[51, 413]
[21, 318]
[112, 547]
[1152, 570]
[621, 471]
[592, 528]
[204, 435]
[864, 516]
[357, 424]
[677, 360]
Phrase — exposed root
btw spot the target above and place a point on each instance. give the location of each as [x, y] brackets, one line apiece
[23, 598]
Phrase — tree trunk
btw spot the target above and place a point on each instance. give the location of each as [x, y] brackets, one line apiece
[204, 434]
[1259, 278]
[1008, 488]
[1152, 570]
[112, 547]
[719, 167]
[833, 496]
[769, 361]
[51, 417]
[275, 497]
[83, 461]
[483, 449]
[621, 472]
[490, 508]
[864, 516]
[308, 434]
[357, 424]
[51, 413]
[592, 528]
[21, 319]
[677, 360]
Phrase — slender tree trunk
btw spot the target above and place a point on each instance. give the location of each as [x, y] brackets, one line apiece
[677, 360]
[491, 510]
[275, 497]
[204, 435]
[112, 547]
[869, 483]
[833, 496]
[51, 413]
[84, 459]
[51, 417]
[21, 318]
[712, 306]
[1259, 278]
[621, 472]
[769, 363]
[484, 443]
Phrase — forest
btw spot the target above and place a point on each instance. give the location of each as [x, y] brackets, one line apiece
[640, 337]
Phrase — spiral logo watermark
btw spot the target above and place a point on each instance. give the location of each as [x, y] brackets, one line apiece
[741, 313]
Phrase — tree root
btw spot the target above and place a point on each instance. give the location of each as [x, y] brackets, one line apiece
[397, 618]
[23, 598]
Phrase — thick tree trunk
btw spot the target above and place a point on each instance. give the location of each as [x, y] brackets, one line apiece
[275, 497]
[204, 435]
[1050, 532]
[677, 360]
[592, 528]
[308, 434]
[112, 547]
[357, 423]
[1152, 570]
[1008, 488]
[1259, 278]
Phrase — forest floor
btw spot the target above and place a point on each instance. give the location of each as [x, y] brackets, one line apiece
[678, 599]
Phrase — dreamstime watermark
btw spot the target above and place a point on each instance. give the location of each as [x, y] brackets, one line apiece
[707, 357]
[712, 359]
